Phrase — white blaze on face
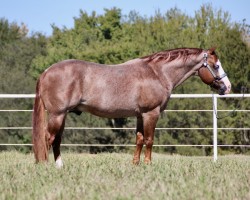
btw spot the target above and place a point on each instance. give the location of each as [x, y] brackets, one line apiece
[225, 79]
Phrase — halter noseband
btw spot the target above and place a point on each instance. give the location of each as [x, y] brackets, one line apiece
[205, 64]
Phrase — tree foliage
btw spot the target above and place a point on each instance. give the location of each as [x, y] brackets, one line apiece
[113, 38]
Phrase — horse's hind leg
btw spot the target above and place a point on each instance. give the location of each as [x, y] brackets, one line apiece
[55, 129]
[139, 141]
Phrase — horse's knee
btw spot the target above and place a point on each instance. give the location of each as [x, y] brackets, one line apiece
[149, 142]
[148, 151]
[139, 139]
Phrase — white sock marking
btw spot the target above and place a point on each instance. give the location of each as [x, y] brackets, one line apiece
[59, 162]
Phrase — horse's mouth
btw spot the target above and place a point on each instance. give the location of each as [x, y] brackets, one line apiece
[220, 90]
[224, 90]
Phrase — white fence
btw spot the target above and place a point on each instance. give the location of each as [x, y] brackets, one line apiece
[215, 128]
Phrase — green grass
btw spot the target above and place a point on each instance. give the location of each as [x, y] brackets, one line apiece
[112, 176]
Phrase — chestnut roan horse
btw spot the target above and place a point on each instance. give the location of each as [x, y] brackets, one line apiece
[139, 87]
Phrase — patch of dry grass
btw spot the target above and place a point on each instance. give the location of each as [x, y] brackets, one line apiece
[112, 176]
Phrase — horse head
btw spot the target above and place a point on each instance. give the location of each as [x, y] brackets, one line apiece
[212, 73]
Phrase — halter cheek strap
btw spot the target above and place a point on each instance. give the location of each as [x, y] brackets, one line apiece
[205, 64]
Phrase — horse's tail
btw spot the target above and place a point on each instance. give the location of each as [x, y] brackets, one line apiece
[40, 147]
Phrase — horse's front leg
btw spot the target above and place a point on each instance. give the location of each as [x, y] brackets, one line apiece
[139, 140]
[149, 124]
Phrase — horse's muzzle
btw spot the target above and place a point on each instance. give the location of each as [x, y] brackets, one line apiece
[220, 87]
[222, 90]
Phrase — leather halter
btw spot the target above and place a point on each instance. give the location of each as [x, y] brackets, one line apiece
[205, 64]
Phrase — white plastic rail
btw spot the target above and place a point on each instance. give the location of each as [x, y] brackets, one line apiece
[215, 128]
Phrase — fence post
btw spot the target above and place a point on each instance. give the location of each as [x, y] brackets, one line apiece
[215, 128]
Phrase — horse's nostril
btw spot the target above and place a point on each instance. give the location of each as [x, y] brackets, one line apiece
[222, 90]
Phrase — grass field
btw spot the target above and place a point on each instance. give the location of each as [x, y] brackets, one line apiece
[112, 176]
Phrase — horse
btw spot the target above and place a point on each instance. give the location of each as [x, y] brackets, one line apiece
[138, 88]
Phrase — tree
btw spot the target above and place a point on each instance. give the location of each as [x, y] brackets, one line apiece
[16, 53]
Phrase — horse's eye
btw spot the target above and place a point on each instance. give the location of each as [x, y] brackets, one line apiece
[216, 67]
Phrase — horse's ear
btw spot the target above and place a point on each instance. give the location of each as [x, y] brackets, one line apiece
[212, 50]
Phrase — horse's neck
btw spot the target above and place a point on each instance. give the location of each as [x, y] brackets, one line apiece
[177, 71]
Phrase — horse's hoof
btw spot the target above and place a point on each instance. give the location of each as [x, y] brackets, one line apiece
[136, 162]
[147, 162]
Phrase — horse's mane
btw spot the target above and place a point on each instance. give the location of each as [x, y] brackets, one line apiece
[172, 54]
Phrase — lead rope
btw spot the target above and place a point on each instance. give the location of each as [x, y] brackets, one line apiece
[232, 113]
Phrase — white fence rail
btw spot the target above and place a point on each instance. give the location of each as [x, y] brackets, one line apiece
[214, 97]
